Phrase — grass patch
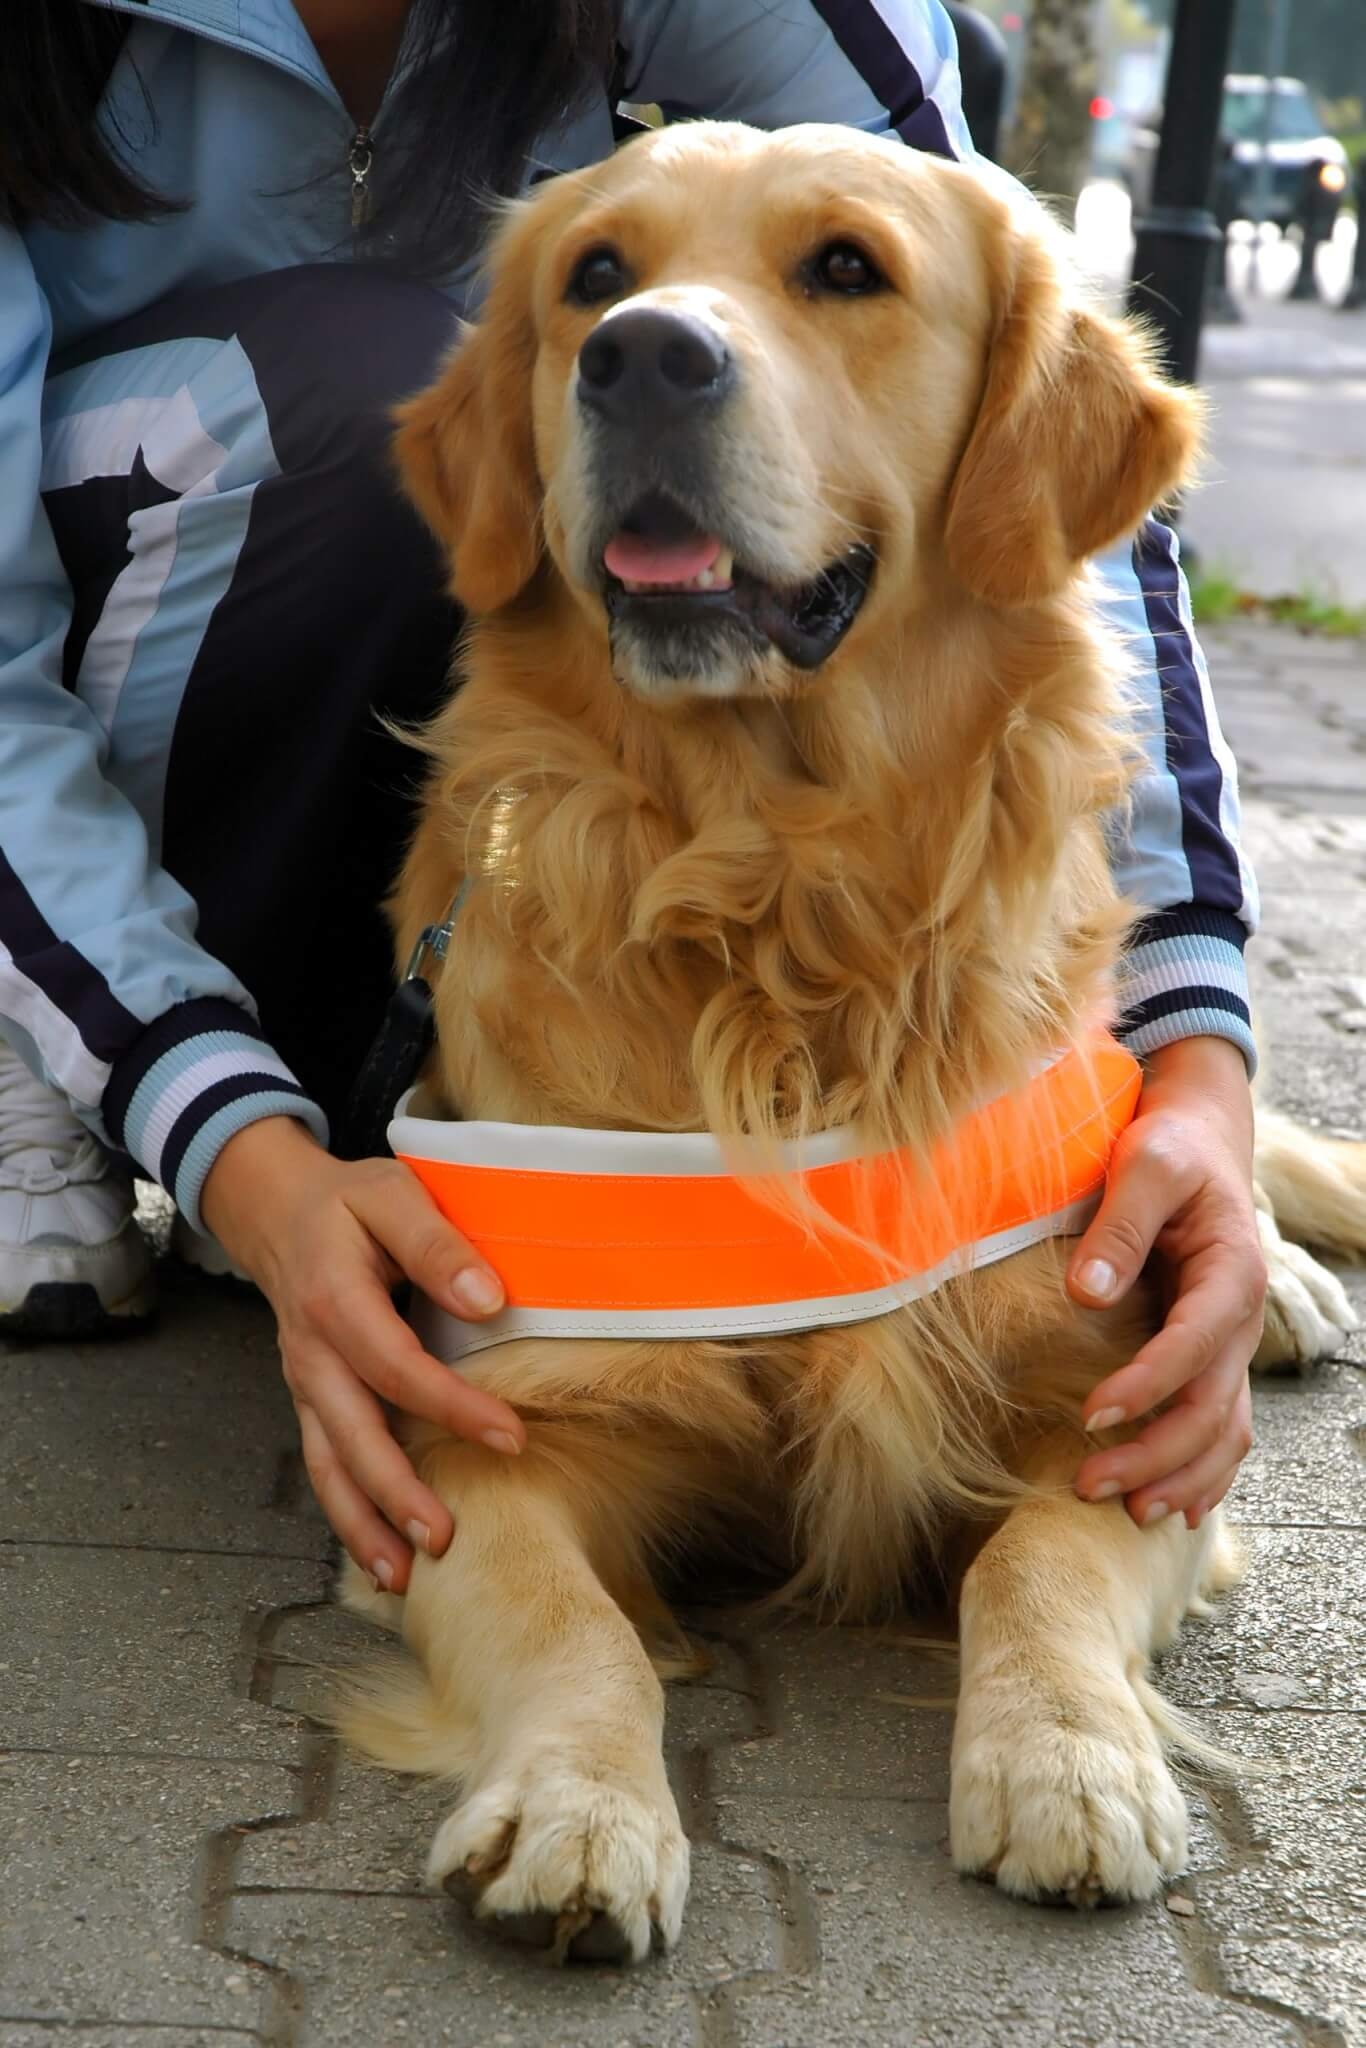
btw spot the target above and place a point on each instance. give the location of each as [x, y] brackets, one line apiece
[1217, 599]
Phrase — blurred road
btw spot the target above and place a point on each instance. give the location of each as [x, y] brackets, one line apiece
[1283, 508]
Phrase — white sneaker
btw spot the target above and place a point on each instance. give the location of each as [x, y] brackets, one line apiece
[72, 1259]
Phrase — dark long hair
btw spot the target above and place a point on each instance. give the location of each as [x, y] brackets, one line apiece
[482, 82]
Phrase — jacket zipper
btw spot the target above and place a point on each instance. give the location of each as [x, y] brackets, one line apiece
[360, 159]
[360, 153]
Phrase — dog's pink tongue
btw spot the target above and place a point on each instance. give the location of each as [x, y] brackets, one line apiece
[637, 560]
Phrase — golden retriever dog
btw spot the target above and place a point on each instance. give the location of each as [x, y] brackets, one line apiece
[812, 842]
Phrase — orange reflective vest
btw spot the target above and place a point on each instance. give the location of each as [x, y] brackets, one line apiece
[628, 1234]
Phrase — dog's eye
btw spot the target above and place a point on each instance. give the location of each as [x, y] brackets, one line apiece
[842, 267]
[598, 276]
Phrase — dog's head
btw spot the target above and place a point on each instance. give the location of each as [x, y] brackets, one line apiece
[755, 396]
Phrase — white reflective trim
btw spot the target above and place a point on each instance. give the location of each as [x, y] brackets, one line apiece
[450, 1340]
[557, 1148]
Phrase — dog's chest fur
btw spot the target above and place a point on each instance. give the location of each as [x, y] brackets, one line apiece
[755, 963]
[676, 927]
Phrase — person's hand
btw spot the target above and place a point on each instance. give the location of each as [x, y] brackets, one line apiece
[326, 1241]
[1180, 1183]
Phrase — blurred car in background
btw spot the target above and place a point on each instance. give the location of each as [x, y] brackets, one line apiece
[1261, 117]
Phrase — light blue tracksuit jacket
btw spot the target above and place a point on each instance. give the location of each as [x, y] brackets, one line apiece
[97, 942]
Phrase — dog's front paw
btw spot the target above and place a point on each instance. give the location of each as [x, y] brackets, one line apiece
[571, 1854]
[1077, 1805]
[1307, 1312]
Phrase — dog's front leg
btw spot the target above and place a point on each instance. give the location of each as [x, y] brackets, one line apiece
[567, 1824]
[1059, 1783]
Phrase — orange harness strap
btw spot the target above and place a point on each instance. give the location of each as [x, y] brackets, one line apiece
[628, 1234]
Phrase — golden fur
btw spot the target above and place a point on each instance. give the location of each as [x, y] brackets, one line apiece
[872, 894]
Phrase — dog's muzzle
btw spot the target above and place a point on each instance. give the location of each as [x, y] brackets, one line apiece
[655, 384]
[806, 623]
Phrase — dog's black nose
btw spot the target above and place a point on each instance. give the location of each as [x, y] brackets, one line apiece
[646, 367]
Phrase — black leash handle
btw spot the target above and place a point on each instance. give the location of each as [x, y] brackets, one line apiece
[393, 1063]
[399, 1050]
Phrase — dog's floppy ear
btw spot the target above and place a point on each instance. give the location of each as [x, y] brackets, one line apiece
[1076, 438]
[465, 448]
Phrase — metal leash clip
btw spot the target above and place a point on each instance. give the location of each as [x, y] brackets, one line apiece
[400, 1047]
[433, 942]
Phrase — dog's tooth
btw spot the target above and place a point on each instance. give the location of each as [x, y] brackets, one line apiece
[723, 568]
[704, 579]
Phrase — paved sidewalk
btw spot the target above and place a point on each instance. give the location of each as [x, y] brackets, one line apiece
[188, 1862]
[1282, 507]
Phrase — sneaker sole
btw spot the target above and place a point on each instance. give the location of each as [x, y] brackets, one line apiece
[72, 1309]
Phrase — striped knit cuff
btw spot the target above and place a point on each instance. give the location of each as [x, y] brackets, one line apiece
[197, 1076]
[1183, 977]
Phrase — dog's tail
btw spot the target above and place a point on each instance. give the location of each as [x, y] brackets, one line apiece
[389, 1711]
[1316, 1186]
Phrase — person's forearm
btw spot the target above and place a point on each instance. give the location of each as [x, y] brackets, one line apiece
[327, 1240]
[1175, 847]
[1213, 1067]
[252, 1183]
[1179, 1184]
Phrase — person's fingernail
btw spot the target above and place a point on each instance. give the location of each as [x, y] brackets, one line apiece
[382, 1572]
[500, 1440]
[1097, 1278]
[1107, 1489]
[476, 1293]
[1104, 1418]
[419, 1535]
[1156, 1513]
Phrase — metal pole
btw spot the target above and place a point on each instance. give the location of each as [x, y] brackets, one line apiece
[1356, 291]
[1173, 241]
[1315, 213]
[1221, 308]
[1278, 28]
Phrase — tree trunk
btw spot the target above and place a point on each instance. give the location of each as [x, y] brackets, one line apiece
[1050, 146]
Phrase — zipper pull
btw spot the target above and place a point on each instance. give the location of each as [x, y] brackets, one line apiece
[360, 157]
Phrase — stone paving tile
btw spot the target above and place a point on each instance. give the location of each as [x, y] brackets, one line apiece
[46, 2034]
[133, 1652]
[1293, 1635]
[1307, 1466]
[1306, 1080]
[1281, 1919]
[840, 1699]
[377, 1972]
[1316, 1008]
[1287, 850]
[905, 1954]
[1264, 759]
[183, 1438]
[106, 1880]
[50, 2032]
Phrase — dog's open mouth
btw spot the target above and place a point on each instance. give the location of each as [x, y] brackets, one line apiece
[661, 568]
